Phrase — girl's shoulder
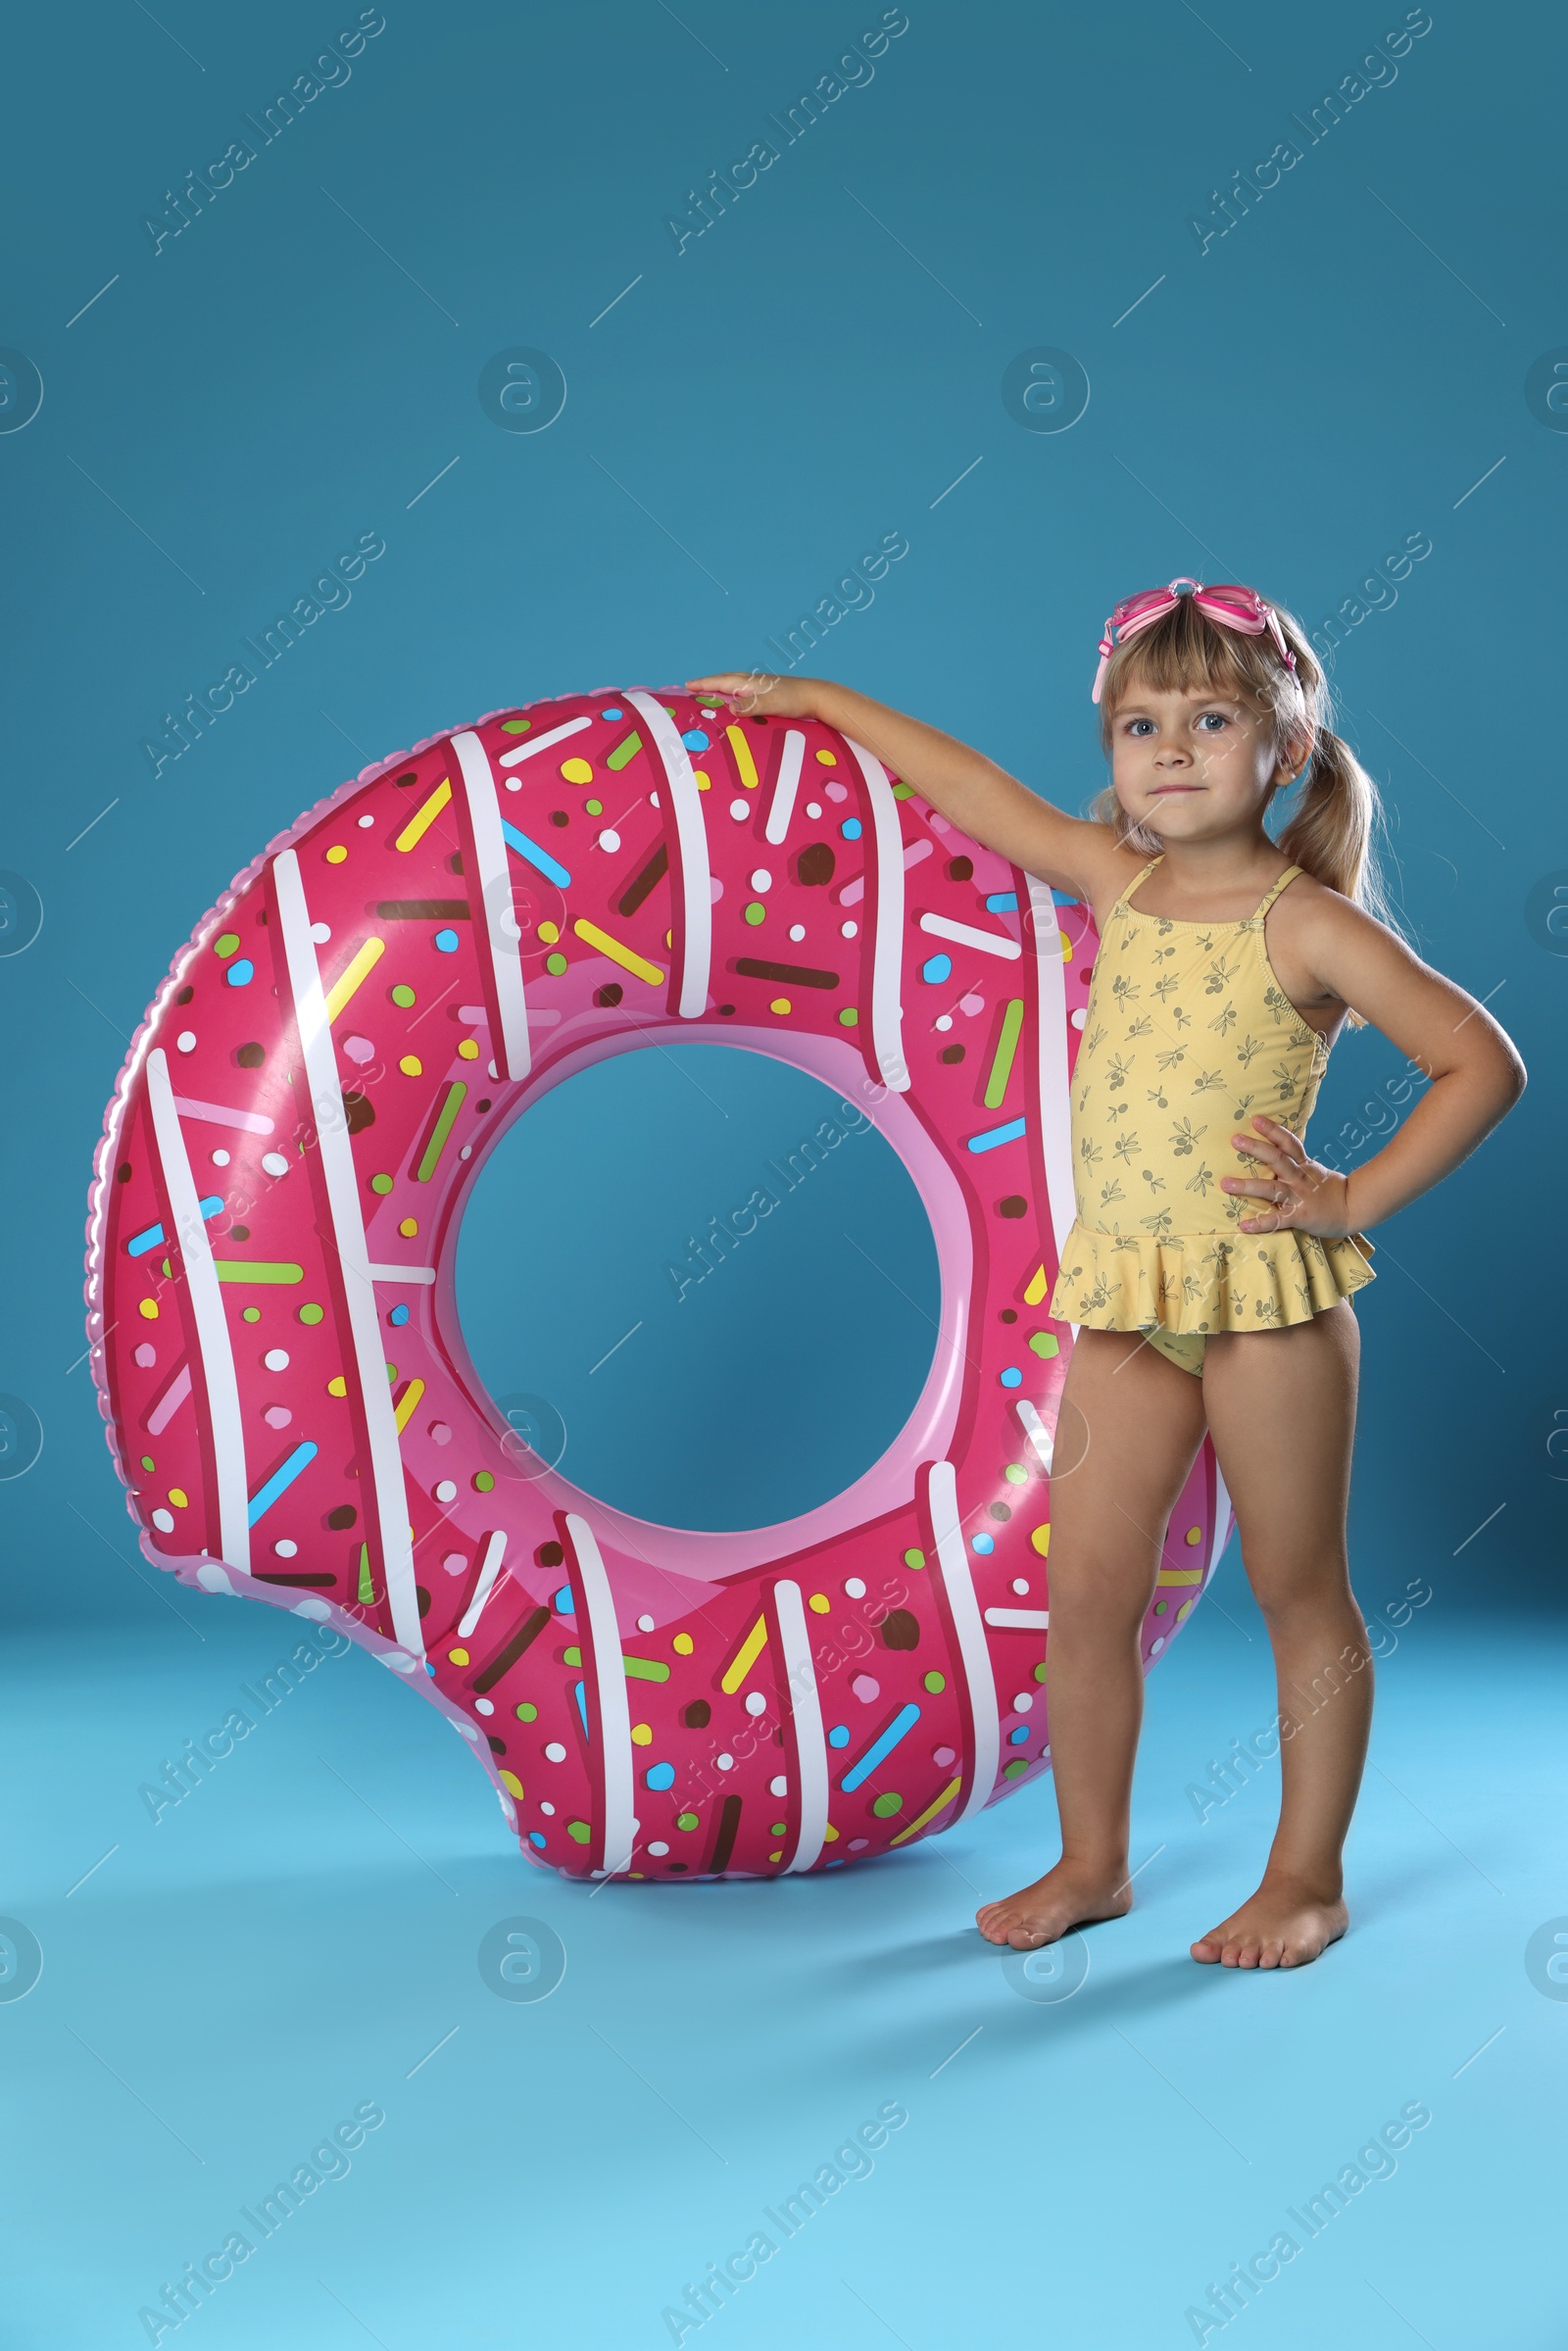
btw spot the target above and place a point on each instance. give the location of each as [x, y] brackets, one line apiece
[1308, 930]
[1310, 909]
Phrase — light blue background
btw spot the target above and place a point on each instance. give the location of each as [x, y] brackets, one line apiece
[1341, 371]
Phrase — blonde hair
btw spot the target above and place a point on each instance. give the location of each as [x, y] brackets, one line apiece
[1329, 833]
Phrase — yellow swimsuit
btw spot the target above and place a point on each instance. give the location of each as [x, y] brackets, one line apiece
[1188, 1034]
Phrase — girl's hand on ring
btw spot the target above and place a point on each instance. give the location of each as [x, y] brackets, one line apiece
[1301, 1194]
[757, 693]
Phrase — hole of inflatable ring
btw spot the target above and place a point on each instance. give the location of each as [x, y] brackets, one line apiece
[771, 1380]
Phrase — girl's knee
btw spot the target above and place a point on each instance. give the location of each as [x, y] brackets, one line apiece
[1303, 1592]
[1096, 1593]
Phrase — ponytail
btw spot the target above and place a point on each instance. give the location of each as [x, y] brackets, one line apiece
[1330, 834]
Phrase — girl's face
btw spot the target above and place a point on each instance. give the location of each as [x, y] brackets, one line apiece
[1195, 764]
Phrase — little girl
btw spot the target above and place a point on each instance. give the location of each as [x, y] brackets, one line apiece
[1211, 1262]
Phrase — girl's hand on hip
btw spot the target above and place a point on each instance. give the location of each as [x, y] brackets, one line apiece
[755, 693]
[1299, 1194]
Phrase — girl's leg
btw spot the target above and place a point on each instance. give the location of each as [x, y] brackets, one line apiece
[1131, 1422]
[1281, 1408]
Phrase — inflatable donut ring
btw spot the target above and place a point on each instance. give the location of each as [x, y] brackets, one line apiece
[274, 1229]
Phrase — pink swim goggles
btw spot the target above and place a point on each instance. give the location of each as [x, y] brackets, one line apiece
[1232, 607]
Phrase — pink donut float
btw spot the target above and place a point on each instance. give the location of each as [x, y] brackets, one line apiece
[274, 1229]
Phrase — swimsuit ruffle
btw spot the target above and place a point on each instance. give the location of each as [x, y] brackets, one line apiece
[1201, 1282]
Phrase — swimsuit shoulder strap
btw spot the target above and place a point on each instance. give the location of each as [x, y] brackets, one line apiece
[1122, 907]
[1288, 875]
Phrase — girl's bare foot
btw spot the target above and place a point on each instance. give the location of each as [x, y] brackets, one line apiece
[1282, 1924]
[1072, 1894]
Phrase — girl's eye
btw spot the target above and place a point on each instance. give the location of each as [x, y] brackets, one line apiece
[1134, 724]
[1218, 717]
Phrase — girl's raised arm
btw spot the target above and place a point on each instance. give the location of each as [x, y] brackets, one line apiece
[982, 799]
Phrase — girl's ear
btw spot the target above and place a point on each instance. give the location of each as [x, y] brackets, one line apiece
[1294, 756]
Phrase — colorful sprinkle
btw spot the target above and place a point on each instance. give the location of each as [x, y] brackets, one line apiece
[540, 859]
[1007, 1047]
[423, 909]
[456, 1096]
[281, 1480]
[881, 1747]
[929, 1814]
[153, 1234]
[745, 764]
[936, 969]
[745, 1657]
[365, 961]
[618, 952]
[994, 1137]
[407, 1404]
[576, 771]
[421, 821]
[626, 749]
